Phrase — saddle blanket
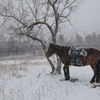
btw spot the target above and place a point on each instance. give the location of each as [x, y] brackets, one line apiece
[75, 57]
[75, 54]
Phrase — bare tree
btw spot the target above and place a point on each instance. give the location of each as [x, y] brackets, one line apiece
[88, 40]
[61, 40]
[98, 41]
[37, 19]
[78, 40]
[94, 40]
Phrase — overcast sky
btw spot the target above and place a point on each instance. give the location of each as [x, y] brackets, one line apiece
[88, 16]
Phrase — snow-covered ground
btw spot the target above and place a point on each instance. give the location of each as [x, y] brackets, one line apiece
[29, 79]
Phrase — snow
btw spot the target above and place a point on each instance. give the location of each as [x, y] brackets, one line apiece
[29, 79]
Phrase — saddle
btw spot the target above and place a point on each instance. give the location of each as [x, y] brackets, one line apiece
[75, 53]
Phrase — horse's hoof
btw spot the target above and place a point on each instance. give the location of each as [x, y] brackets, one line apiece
[66, 79]
[91, 81]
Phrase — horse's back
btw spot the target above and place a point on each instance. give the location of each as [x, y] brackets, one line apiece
[93, 51]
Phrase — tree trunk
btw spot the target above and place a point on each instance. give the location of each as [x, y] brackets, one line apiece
[52, 66]
[50, 62]
[56, 70]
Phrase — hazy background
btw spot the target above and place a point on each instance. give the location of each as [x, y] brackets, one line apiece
[87, 17]
[85, 31]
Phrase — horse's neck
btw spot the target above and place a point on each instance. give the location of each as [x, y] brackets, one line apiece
[60, 50]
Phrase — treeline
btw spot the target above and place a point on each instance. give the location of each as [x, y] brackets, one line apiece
[10, 47]
[89, 41]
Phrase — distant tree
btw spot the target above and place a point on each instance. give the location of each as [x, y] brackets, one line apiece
[78, 40]
[61, 40]
[2, 40]
[2, 43]
[88, 40]
[94, 39]
[98, 41]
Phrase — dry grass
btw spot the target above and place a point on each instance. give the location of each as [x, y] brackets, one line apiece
[21, 57]
[11, 68]
[16, 70]
[21, 65]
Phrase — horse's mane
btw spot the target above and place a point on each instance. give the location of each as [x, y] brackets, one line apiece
[58, 46]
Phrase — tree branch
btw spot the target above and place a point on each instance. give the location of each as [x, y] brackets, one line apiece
[8, 16]
[70, 4]
[39, 22]
[55, 14]
[33, 38]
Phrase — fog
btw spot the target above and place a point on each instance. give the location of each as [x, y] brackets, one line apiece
[85, 21]
[87, 17]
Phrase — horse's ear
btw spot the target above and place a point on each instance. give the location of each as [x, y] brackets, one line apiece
[51, 44]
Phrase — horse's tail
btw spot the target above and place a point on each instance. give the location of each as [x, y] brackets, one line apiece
[98, 71]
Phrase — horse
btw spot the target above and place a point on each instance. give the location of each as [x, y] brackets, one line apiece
[92, 58]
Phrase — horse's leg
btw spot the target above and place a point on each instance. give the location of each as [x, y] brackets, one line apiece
[66, 72]
[94, 76]
[97, 77]
[98, 72]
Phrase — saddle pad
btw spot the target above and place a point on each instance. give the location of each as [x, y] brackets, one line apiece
[75, 57]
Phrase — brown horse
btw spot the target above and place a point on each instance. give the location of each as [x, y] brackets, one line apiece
[92, 58]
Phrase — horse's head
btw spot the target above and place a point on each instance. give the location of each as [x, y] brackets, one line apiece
[50, 50]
